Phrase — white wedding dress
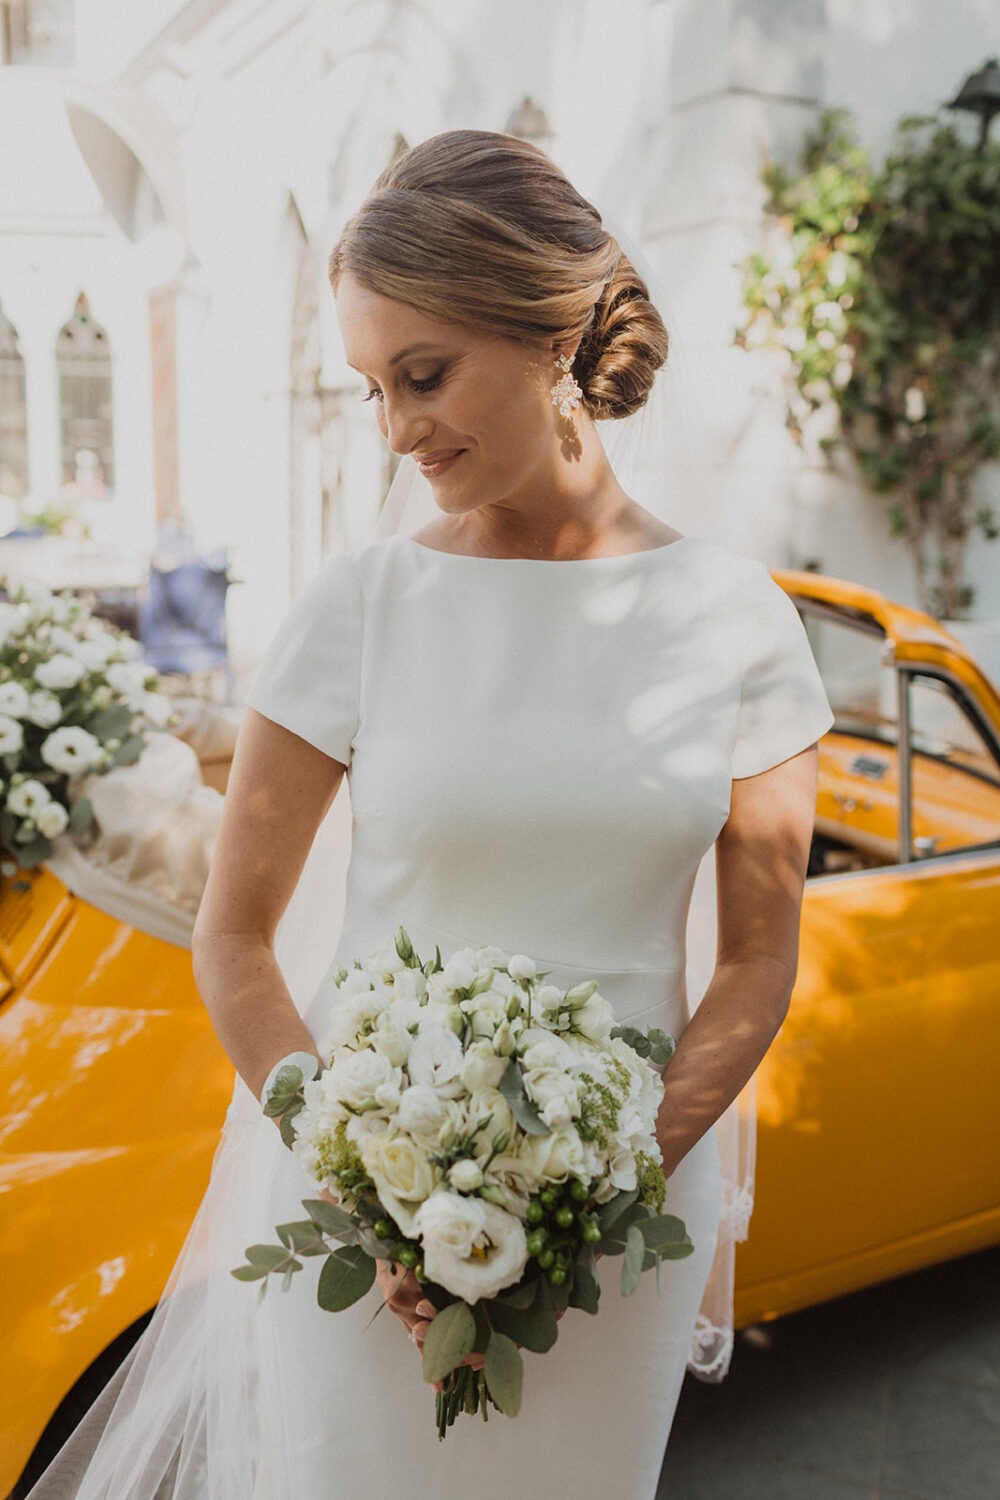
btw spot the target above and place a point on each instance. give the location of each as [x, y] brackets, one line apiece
[540, 754]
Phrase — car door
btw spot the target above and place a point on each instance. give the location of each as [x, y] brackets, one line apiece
[878, 1147]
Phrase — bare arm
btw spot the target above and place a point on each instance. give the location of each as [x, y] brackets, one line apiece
[279, 792]
[761, 858]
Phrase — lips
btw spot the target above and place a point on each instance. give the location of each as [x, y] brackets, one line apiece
[432, 464]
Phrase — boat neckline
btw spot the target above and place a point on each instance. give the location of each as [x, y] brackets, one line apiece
[551, 562]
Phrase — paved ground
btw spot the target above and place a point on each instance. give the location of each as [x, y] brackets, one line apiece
[893, 1392]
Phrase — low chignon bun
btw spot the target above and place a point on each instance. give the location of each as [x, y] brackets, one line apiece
[484, 229]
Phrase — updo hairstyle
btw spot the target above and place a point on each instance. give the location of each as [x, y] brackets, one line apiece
[484, 230]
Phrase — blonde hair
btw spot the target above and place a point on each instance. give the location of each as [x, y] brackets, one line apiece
[484, 229]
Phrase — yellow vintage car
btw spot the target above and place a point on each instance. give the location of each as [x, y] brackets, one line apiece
[877, 1151]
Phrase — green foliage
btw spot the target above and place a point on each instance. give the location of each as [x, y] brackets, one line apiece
[882, 286]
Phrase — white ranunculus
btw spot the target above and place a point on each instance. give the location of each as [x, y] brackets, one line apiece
[27, 799]
[521, 967]
[44, 709]
[60, 671]
[436, 1060]
[70, 750]
[14, 699]
[52, 820]
[472, 1248]
[401, 1173]
[483, 1069]
[359, 1077]
[11, 735]
[465, 1176]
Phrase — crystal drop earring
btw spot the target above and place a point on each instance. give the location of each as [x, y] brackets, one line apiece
[566, 393]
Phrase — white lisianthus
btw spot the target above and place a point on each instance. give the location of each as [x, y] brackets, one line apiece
[393, 1040]
[436, 1060]
[11, 735]
[486, 1104]
[62, 639]
[60, 671]
[14, 700]
[483, 1068]
[555, 1094]
[95, 654]
[13, 618]
[409, 984]
[157, 708]
[385, 961]
[492, 958]
[27, 799]
[402, 1174]
[556, 1156]
[70, 750]
[462, 970]
[421, 1111]
[521, 968]
[486, 1012]
[622, 1170]
[594, 1019]
[52, 820]
[472, 1248]
[514, 1179]
[44, 710]
[129, 678]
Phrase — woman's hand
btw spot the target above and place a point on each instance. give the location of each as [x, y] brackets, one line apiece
[405, 1297]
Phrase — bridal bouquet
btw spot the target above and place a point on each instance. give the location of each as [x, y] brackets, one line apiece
[73, 701]
[488, 1131]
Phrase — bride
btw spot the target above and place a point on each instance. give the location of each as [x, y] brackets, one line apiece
[548, 706]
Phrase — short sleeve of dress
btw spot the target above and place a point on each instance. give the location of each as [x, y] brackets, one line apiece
[309, 680]
[783, 705]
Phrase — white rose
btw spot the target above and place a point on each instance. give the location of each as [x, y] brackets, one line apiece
[14, 700]
[401, 1173]
[11, 735]
[70, 750]
[44, 709]
[555, 1157]
[465, 1176]
[522, 968]
[61, 671]
[52, 820]
[436, 1060]
[26, 800]
[594, 1019]
[357, 1078]
[472, 1248]
[483, 1069]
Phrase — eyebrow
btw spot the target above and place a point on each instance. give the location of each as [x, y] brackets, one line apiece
[405, 353]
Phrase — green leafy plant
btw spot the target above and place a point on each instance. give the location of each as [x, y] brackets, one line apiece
[883, 288]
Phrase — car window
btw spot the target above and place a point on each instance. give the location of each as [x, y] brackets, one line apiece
[955, 775]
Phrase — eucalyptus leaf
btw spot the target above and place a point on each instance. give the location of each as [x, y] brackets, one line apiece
[346, 1276]
[609, 1212]
[663, 1229]
[33, 853]
[128, 751]
[113, 723]
[304, 1236]
[586, 1291]
[635, 1255]
[520, 1296]
[332, 1220]
[524, 1112]
[250, 1273]
[534, 1327]
[661, 1047]
[450, 1338]
[504, 1371]
[268, 1256]
[81, 815]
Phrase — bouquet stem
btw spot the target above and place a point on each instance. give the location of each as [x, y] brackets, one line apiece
[463, 1390]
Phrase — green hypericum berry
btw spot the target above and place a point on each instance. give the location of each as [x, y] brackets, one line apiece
[382, 1228]
[579, 1191]
[408, 1256]
[591, 1233]
[547, 1258]
[534, 1213]
[557, 1276]
[548, 1197]
[564, 1216]
[535, 1243]
[419, 1272]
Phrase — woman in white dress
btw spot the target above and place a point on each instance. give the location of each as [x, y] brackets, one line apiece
[549, 707]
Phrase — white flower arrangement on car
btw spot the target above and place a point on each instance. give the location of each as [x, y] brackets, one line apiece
[488, 1131]
[74, 701]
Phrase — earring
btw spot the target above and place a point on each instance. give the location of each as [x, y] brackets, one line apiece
[566, 393]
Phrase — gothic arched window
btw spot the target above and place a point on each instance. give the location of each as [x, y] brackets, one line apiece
[13, 415]
[85, 432]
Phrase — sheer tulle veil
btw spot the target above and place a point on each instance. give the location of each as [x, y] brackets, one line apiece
[183, 1418]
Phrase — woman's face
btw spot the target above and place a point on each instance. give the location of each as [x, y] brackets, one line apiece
[472, 409]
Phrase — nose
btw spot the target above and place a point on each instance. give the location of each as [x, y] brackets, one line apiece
[404, 424]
